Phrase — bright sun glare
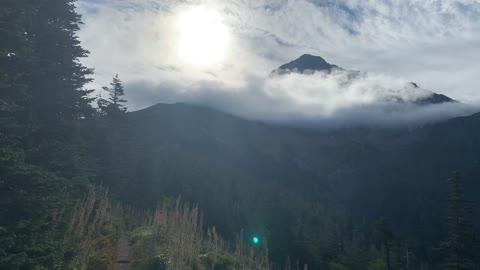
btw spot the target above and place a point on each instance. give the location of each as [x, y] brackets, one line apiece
[202, 37]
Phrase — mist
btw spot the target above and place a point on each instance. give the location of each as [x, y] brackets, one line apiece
[339, 99]
[393, 43]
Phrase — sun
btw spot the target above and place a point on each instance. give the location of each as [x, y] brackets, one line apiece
[202, 37]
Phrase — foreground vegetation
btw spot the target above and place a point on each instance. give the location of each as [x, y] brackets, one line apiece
[170, 237]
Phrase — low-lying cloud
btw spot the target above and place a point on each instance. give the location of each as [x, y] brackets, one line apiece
[338, 99]
[433, 43]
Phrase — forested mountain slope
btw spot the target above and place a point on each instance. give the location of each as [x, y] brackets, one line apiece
[399, 174]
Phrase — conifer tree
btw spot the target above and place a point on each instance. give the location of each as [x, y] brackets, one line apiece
[58, 105]
[459, 246]
[42, 102]
[115, 105]
[57, 78]
[385, 237]
[14, 54]
[114, 133]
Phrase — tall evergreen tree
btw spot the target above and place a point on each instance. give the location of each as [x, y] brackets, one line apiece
[57, 78]
[14, 54]
[115, 105]
[114, 133]
[58, 105]
[385, 236]
[459, 246]
[42, 104]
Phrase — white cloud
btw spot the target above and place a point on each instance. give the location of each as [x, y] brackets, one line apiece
[319, 99]
[432, 42]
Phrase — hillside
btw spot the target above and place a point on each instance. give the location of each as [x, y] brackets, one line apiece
[372, 173]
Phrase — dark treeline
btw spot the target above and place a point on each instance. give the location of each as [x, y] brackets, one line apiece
[56, 141]
[45, 114]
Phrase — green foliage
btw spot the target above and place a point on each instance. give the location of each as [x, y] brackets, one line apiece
[385, 237]
[111, 143]
[171, 238]
[221, 262]
[459, 247]
[255, 173]
[92, 231]
[378, 264]
[28, 197]
[42, 106]
[145, 252]
[157, 263]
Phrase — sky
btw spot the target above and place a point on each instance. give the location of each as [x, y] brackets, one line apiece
[434, 43]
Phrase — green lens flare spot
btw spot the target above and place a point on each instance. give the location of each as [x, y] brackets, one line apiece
[255, 240]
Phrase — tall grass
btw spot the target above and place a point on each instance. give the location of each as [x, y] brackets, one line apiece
[92, 230]
[172, 237]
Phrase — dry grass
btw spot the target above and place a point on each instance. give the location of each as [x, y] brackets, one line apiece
[172, 237]
[90, 228]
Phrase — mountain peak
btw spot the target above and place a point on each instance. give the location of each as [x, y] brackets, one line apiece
[309, 64]
[431, 98]
[306, 64]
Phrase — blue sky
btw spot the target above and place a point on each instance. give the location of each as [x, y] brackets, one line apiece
[434, 43]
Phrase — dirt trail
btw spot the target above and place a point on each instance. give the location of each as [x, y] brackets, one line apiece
[125, 254]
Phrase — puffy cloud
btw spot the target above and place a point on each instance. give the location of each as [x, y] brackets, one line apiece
[432, 42]
[334, 100]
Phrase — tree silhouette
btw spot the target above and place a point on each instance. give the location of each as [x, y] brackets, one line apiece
[115, 104]
[459, 245]
[385, 237]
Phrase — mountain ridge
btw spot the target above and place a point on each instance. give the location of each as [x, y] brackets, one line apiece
[308, 64]
[350, 168]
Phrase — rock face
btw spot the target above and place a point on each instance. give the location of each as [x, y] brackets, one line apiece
[432, 99]
[306, 64]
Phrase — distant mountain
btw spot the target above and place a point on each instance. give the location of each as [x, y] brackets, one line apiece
[308, 64]
[432, 99]
[397, 174]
